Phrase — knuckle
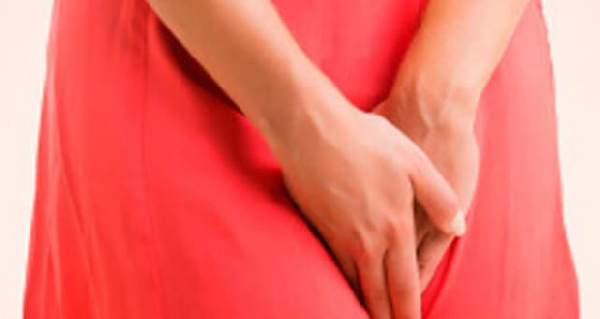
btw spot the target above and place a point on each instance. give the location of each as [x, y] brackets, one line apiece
[364, 247]
[418, 160]
[404, 163]
[398, 228]
[392, 228]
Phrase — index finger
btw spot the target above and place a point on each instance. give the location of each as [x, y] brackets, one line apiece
[437, 196]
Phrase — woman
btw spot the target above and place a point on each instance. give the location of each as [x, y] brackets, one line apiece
[298, 159]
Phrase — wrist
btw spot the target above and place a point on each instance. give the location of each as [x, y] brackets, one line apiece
[433, 104]
[309, 111]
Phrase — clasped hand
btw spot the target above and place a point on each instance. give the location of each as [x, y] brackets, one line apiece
[388, 204]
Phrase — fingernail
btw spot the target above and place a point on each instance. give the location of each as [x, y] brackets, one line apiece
[457, 225]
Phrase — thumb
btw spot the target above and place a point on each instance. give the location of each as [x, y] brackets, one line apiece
[437, 197]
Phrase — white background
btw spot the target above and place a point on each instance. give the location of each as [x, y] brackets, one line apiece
[575, 39]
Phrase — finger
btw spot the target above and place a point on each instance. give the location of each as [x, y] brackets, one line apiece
[403, 276]
[437, 197]
[374, 288]
[346, 265]
[350, 272]
[422, 223]
[430, 253]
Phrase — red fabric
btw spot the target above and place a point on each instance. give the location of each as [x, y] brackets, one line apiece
[156, 198]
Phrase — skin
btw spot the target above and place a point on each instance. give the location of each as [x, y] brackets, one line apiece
[436, 93]
[377, 225]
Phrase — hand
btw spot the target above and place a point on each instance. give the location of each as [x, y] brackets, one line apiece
[452, 148]
[355, 180]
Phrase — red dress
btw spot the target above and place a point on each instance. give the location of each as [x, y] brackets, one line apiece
[156, 198]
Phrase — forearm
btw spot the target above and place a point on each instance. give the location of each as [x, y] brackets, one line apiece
[457, 47]
[249, 52]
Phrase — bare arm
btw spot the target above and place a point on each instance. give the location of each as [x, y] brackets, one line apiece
[249, 52]
[456, 49]
[436, 93]
[356, 186]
